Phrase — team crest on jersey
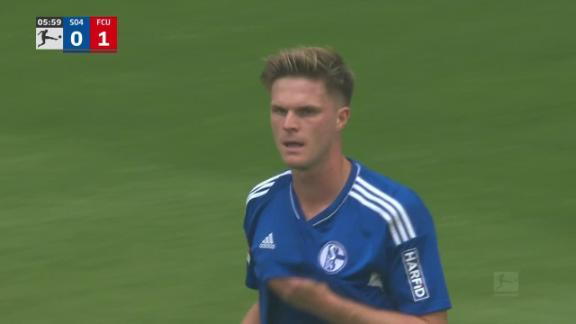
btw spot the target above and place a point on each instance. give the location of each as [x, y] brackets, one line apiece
[332, 257]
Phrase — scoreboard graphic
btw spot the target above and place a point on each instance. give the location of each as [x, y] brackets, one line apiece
[81, 34]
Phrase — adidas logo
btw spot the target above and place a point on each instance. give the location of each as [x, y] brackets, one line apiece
[268, 242]
[375, 281]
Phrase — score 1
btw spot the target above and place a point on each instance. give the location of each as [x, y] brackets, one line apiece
[103, 34]
[76, 34]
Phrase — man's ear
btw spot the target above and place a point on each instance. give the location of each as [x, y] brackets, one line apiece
[342, 117]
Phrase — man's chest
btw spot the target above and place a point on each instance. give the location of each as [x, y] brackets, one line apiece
[342, 248]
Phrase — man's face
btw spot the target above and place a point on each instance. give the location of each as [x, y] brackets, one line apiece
[306, 121]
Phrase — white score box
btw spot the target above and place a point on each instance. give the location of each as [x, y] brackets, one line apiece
[49, 31]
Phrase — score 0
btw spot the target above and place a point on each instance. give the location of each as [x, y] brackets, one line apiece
[103, 34]
[76, 34]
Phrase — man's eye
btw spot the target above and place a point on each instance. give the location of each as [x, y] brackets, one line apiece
[307, 112]
[279, 111]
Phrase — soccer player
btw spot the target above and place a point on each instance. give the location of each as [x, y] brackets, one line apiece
[331, 241]
[44, 36]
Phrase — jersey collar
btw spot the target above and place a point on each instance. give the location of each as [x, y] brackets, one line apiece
[331, 210]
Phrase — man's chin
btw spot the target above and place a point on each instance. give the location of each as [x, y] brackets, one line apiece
[296, 163]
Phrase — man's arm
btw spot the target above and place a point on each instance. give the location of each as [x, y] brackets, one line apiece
[253, 315]
[316, 298]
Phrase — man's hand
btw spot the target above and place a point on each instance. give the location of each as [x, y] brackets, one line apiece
[302, 293]
[317, 298]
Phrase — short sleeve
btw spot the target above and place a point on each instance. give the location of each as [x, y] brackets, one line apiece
[415, 278]
[251, 279]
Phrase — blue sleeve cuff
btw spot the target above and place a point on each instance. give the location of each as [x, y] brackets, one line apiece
[427, 308]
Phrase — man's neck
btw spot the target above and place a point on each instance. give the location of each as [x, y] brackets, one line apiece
[318, 187]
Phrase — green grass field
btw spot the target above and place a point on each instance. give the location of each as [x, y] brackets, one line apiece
[123, 176]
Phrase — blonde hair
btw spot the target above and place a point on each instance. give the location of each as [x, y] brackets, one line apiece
[316, 63]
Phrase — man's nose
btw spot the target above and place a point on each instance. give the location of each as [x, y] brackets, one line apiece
[291, 121]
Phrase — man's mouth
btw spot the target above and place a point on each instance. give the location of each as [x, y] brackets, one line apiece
[292, 144]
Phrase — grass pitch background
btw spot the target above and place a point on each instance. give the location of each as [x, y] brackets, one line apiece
[123, 176]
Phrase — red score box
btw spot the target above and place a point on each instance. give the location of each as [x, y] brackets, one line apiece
[103, 34]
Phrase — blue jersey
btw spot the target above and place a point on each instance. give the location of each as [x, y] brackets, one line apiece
[375, 244]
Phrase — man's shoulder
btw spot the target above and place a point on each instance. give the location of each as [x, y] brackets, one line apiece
[268, 187]
[260, 195]
[384, 185]
[396, 204]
